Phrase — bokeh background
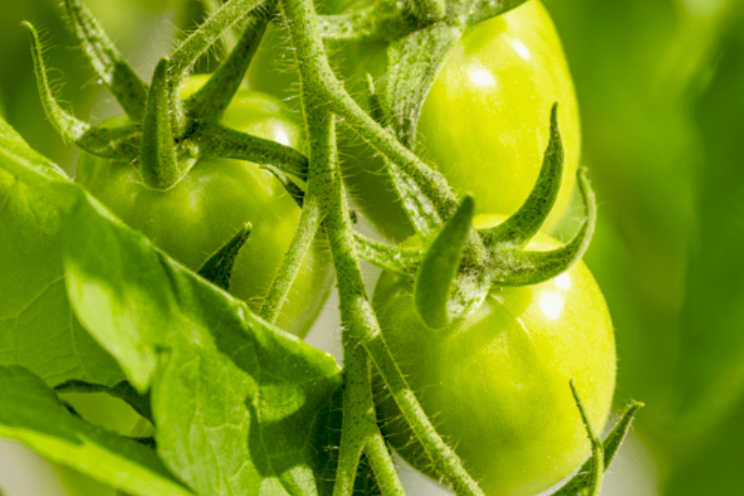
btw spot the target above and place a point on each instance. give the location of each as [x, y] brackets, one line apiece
[661, 89]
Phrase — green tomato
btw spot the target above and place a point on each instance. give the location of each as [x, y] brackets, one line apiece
[484, 123]
[496, 383]
[192, 220]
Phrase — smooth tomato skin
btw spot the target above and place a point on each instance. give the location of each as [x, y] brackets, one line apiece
[485, 121]
[496, 384]
[192, 220]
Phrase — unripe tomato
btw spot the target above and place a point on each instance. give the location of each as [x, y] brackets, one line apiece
[192, 220]
[496, 383]
[485, 121]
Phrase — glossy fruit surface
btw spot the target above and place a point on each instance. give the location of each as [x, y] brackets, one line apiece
[485, 121]
[192, 220]
[496, 384]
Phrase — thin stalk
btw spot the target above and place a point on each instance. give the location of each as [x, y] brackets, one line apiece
[229, 37]
[358, 417]
[357, 316]
[302, 240]
[383, 467]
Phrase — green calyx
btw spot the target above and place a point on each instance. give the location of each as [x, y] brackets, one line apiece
[449, 281]
[165, 134]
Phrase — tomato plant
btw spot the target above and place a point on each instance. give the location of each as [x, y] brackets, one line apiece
[496, 383]
[192, 220]
[222, 401]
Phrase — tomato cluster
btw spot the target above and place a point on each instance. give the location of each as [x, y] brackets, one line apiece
[495, 382]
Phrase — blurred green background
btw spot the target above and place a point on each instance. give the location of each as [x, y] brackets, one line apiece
[661, 89]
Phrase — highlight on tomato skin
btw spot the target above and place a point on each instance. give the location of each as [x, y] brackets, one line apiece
[496, 384]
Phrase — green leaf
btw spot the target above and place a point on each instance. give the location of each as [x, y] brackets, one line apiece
[438, 269]
[414, 63]
[396, 259]
[327, 439]
[471, 12]
[233, 398]
[33, 415]
[124, 391]
[6, 131]
[37, 327]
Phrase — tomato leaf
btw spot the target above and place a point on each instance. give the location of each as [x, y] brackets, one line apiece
[327, 439]
[37, 327]
[233, 398]
[472, 12]
[33, 415]
[414, 62]
[123, 390]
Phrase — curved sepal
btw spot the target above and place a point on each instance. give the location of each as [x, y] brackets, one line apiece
[212, 99]
[297, 193]
[128, 89]
[218, 267]
[438, 269]
[158, 164]
[70, 127]
[224, 142]
[518, 229]
[522, 268]
[583, 479]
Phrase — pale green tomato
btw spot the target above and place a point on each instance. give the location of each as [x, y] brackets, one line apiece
[485, 121]
[496, 383]
[193, 219]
